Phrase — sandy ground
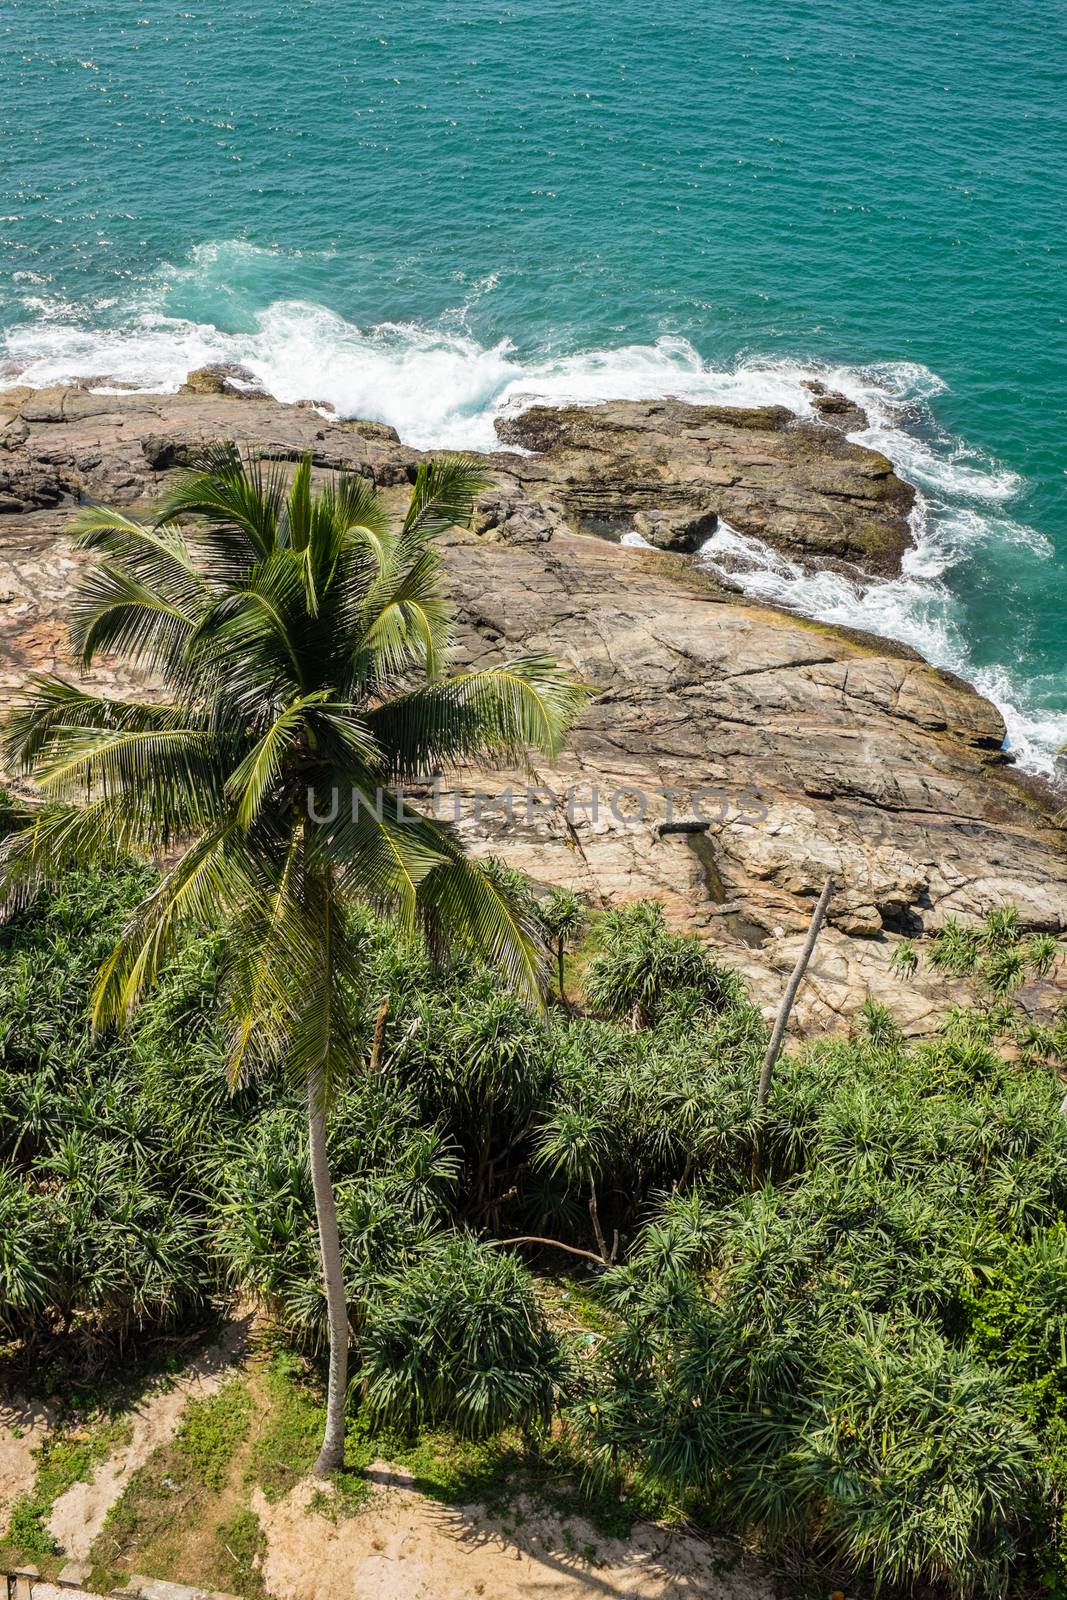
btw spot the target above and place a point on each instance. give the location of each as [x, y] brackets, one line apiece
[402, 1546]
[78, 1516]
[23, 1426]
[405, 1547]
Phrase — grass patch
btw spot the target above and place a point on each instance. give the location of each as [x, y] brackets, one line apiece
[348, 1493]
[68, 1457]
[211, 1432]
[286, 1448]
[165, 1521]
[94, 1422]
[242, 1539]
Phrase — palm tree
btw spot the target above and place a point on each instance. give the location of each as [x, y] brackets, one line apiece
[562, 915]
[302, 640]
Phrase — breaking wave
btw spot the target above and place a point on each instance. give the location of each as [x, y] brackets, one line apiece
[440, 387]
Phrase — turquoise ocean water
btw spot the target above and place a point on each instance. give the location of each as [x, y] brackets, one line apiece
[430, 213]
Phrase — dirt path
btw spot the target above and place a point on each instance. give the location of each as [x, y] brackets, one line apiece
[23, 1426]
[406, 1547]
[401, 1546]
[78, 1515]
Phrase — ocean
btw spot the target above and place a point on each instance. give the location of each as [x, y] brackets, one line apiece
[429, 214]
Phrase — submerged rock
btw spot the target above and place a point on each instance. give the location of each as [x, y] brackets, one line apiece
[835, 408]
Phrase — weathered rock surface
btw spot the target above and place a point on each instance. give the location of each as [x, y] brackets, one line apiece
[817, 753]
[223, 378]
[799, 486]
[817, 750]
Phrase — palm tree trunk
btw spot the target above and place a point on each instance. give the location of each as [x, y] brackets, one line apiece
[332, 1454]
[379, 1036]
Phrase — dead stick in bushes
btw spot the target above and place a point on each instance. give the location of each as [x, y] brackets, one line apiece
[554, 1244]
[379, 1036]
[781, 1021]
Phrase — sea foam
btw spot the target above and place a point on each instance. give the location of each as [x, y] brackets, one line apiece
[442, 388]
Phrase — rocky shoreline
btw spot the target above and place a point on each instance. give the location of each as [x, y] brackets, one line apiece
[816, 748]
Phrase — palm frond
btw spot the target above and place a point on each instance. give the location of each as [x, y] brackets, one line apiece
[250, 640]
[240, 503]
[158, 557]
[498, 713]
[404, 623]
[51, 704]
[87, 760]
[116, 611]
[294, 525]
[358, 508]
[443, 496]
[460, 902]
[344, 737]
[252, 779]
[200, 888]
[267, 951]
[60, 839]
[328, 534]
[323, 1045]
[377, 851]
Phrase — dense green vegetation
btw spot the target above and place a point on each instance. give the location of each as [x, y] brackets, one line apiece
[862, 1365]
[300, 639]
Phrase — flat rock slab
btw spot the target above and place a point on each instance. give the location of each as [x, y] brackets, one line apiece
[816, 750]
[75, 1574]
[161, 1589]
[809, 751]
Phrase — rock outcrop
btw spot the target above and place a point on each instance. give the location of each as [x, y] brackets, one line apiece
[647, 466]
[791, 749]
[805, 750]
[223, 378]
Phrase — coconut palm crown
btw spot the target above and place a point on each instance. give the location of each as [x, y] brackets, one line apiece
[303, 640]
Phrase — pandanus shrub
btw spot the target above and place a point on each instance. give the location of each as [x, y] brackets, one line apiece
[477, 1061]
[460, 1339]
[770, 1391]
[98, 1239]
[393, 1179]
[27, 1280]
[302, 640]
[915, 1464]
[562, 916]
[642, 965]
[103, 1231]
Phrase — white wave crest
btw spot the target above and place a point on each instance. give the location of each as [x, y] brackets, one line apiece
[440, 387]
[916, 609]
